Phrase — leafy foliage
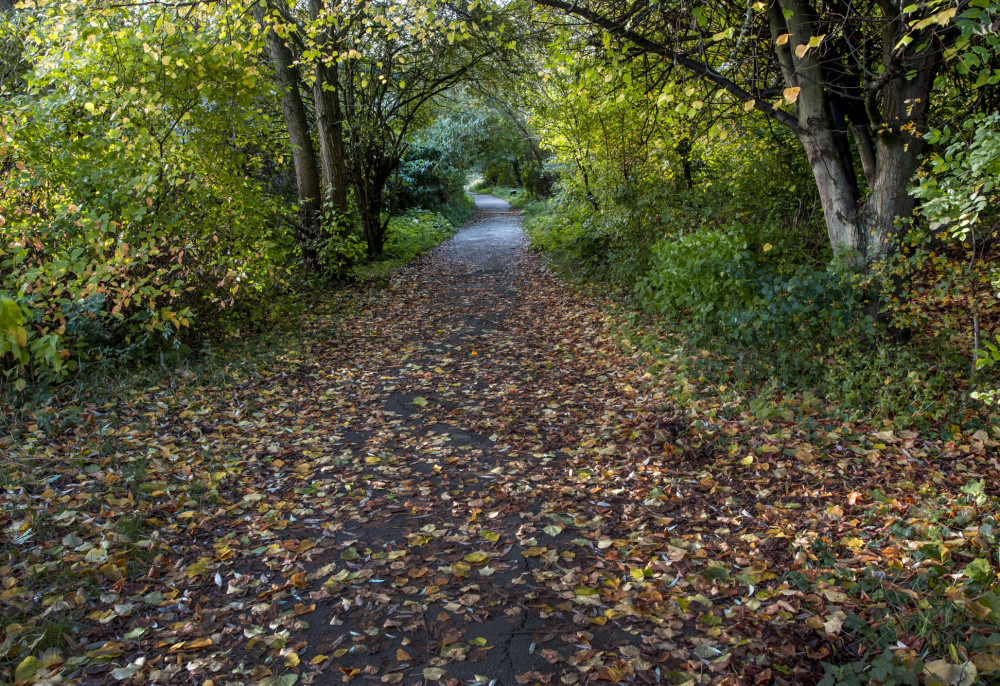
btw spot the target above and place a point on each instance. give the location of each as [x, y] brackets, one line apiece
[134, 207]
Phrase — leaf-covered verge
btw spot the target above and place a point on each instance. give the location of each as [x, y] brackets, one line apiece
[475, 470]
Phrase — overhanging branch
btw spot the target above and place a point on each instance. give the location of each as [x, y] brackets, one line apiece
[680, 59]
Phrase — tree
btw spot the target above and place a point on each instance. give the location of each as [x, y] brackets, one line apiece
[307, 181]
[373, 67]
[399, 61]
[853, 81]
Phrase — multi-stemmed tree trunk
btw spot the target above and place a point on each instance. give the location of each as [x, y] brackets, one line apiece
[329, 119]
[307, 182]
[320, 184]
[829, 109]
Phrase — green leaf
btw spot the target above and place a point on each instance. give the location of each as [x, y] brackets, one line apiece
[28, 667]
[283, 680]
[979, 570]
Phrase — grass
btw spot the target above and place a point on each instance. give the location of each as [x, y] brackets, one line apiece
[409, 236]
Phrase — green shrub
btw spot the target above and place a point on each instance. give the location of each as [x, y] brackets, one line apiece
[416, 232]
[134, 217]
[702, 273]
[429, 181]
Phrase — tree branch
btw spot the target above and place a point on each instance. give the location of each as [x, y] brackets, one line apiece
[655, 48]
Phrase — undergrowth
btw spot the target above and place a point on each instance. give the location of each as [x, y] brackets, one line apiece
[729, 321]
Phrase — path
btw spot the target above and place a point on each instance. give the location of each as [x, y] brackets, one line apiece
[458, 535]
[475, 486]
[460, 479]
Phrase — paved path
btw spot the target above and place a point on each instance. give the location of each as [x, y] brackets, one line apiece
[457, 534]
[453, 484]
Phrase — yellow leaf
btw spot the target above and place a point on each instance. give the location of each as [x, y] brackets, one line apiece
[749, 105]
[945, 16]
[987, 663]
[834, 622]
[476, 558]
[27, 668]
[767, 247]
[801, 50]
[402, 655]
[782, 39]
[945, 672]
[791, 94]
[198, 568]
[977, 610]
[199, 644]
[852, 542]
[320, 658]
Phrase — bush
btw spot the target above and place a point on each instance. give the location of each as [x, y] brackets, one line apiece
[416, 232]
[703, 274]
[430, 182]
[125, 222]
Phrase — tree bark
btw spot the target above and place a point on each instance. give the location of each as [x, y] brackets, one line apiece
[329, 124]
[369, 188]
[307, 182]
[330, 127]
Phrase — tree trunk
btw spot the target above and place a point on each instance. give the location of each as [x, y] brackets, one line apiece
[307, 183]
[838, 191]
[374, 230]
[369, 191]
[861, 228]
[329, 124]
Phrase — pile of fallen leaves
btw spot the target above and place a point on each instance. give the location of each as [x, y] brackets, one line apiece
[472, 480]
